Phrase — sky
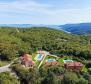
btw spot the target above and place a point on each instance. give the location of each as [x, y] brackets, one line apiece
[53, 12]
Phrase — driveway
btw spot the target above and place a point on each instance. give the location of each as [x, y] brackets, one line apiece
[6, 68]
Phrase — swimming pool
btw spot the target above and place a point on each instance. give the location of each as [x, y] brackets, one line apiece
[50, 60]
[39, 57]
[65, 61]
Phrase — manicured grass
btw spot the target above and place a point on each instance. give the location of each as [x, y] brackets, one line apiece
[34, 55]
[84, 69]
[58, 59]
[36, 61]
[48, 57]
[61, 60]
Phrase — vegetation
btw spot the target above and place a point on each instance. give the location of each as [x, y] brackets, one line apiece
[82, 28]
[14, 43]
[6, 78]
[51, 75]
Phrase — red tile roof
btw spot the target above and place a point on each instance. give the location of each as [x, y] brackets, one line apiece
[26, 57]
[78, 64]
[74, 64]
[69, 64]
[52, 63]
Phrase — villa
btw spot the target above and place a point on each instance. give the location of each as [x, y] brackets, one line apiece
[73, 65]
[26, 60]
[51, 62]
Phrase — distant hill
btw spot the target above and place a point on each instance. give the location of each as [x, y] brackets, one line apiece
[82, 28]
[29, 25]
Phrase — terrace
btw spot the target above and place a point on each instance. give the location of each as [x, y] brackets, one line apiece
[41, 58]
[51, 62]
[66, 61]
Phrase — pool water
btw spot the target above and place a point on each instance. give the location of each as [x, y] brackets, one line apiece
[65, 61]
[51, 60]
[39, 57]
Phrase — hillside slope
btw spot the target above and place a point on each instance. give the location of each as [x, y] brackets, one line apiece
[82, 28]
[16, 41]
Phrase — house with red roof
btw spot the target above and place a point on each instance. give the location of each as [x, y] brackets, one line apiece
[73, 65]
[26, 60]
[52, 63]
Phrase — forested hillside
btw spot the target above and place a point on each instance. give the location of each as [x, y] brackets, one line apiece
[82, 28]
[13, 41]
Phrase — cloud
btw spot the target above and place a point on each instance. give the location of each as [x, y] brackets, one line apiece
[22, 11]
[31, 11]
[24, 6]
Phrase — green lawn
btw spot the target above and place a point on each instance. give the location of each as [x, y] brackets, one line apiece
[34, 55]
[48, 57]
[61, 61]
[84, 69]
[36, 61]
[64, 58]
[58, 59]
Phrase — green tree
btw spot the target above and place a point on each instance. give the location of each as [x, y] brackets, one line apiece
[70, 78]
[82, 81]
[6, 78]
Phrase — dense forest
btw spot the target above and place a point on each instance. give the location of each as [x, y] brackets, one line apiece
[13, 41]
[16, 41]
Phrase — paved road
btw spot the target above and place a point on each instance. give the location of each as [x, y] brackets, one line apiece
[6, 68]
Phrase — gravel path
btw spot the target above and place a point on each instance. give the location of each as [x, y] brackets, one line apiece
[6, 68]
